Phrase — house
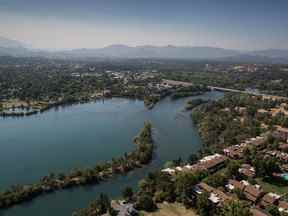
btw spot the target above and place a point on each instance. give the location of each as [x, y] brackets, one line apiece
[247, 170]
[106, 93]
[203, 186]
[283, 206]
[281, 133]
[235, 151]
[200, 188]
[75, 74]
[123, 208]
[216, 196]
[264, 126]
[269, 199]
[222, 197]
[283, 147]
[244, 182]
[279, 155]
[169, 171]
[234, 184]
[219, 198]
[256, 141]
[176, 83]
[227, 109]
[258, 212]
[253, 193]
[241, 110]
[280, 110]
[284, 167]
[262, 111]
[212, 162]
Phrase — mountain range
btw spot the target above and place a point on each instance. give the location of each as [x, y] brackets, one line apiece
[15, 48]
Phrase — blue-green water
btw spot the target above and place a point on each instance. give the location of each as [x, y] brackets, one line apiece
[79, 136]
[285, 176]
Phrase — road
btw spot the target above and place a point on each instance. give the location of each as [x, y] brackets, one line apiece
[187, 84]
[275, 97]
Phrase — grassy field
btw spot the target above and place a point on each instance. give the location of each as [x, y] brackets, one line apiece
[174, 209]
[272, 186]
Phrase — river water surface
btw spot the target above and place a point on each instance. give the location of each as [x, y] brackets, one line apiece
[81, 135]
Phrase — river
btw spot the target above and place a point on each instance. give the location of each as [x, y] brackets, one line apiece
[81, 135]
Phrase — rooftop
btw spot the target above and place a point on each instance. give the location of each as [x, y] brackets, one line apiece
[234, 184]
[252, 193]
[283, 206]
[269, 199]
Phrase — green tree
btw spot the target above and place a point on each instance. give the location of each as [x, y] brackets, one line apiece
[193, 158]
[265, 167]
[240, 194]
[169, 164]
[128, 193]
[235, 208]
[203, 205]
[185, 182]
[217, 179]
[273, 210]
[232, 168]
[145, 202]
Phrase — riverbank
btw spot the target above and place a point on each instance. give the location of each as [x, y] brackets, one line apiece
[193, 182]
[21, 108]
[85, 137]
[18, 108]
[101, 172]
[193, 90]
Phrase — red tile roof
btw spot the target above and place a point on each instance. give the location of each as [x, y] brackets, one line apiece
[283, 147]
[206, 187]
[236, 184]
[221, 195]
[247, 170]
[252, 193]
[209, 164]
[283, 205]
[269, 199]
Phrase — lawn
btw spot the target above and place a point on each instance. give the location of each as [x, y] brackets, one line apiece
[175, 209]
[270, 185]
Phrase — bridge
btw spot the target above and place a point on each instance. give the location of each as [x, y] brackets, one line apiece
[187, 84]
[273, 97]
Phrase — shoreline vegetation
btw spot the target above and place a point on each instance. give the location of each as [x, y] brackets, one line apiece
[46, 106]
[193, 90]
[17, 108]
[230, 120]
[185, 91]
[151, 100]
[23, 108]
[191, 104]
[234, 120]
[142, 155]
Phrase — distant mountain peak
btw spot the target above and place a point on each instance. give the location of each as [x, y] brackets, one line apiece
[119, 46]
[9, 47]
[9, 43]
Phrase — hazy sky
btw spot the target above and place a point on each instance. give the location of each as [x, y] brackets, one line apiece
[236, 24]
